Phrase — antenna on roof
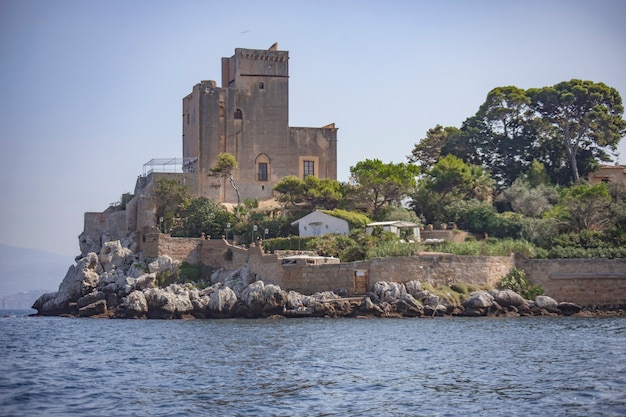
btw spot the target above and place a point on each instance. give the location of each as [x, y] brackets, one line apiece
[274, 47]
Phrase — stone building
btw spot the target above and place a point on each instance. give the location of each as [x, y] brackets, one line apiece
[248, 116]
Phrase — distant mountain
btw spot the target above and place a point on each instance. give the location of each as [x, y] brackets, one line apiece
[30, 270]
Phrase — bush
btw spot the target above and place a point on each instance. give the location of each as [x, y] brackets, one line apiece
[199, 275]
[286, 243]
[516, 281]
[488, 247]
[385, 249]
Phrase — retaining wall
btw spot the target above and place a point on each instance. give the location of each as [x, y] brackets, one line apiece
[588, 282]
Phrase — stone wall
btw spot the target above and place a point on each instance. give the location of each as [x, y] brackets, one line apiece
[588, 282]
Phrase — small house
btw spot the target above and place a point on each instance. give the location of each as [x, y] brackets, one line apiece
[318, 224]
[400, 228]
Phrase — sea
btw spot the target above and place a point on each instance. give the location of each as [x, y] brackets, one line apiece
[545, 366]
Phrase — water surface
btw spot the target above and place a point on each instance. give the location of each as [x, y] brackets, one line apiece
[562, 366]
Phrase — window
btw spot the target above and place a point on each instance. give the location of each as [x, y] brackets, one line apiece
[308, 168]
[238, 115]
[261, 86]
[262, 171]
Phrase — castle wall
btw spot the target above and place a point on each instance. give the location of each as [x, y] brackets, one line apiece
[588, 282]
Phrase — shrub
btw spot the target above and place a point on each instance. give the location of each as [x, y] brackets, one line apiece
[516, 281]
[385, 249]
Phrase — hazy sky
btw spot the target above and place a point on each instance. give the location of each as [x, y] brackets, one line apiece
[91, 90]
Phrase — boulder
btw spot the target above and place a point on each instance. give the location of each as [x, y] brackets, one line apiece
[145, 281]
[439, 310]
[221, 302]
[509, 298]
[80, 280]
[479, 299]
[264, 299]
[478, 304]
[429, 299]
[547, 303]
[413, 288]
[136, 270]
[408, 306]
[134, 305]
[93, 309]
[90, 298]
[567, 309]
[114, 256]
[389, 292]
[171, 302]
[334, 308]
[369, 308]
[163, 263]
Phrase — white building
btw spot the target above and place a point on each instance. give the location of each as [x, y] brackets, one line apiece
[318, 223]
[395, 227]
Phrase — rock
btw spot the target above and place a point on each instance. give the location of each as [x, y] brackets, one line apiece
[409, 306]
[90, 298]
[134, 305]
[439, 310]
[145, 281]
[369, 308]
[222, 302]
[478, 304]
[413, 288]
[80, 280]
[479, 299]
[171, 302]
[163, 263]
[567, 309]
[389, 292]
[334, 308]
[136, 270]
[430, 299]
[547, 303]
[509, 298]
[93, 309]
[113, 255]
[264, 299]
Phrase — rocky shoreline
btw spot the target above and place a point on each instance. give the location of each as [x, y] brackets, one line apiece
[117, 283]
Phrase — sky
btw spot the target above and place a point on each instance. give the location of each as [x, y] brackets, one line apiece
[91, 90]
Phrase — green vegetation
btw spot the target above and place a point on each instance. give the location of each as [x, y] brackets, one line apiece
[516, 280]
[512, 175]
[198, 275]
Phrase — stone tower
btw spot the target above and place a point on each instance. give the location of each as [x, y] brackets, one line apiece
[248, 116]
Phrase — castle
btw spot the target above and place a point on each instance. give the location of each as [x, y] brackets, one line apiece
[248, 117]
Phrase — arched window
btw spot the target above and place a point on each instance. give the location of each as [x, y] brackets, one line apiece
[261, 85]
[262, 162]
[238, 115]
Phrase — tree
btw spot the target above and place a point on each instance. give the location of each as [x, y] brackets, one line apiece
[170, 195]
[428, 151]
[449, 180]
[204, 215]
[224, 168]
[528, 200]
[291, 191]
[537, 174]
[584, 207]
[502, 135]
[323, 192]
[383, 184]
[585, 116]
